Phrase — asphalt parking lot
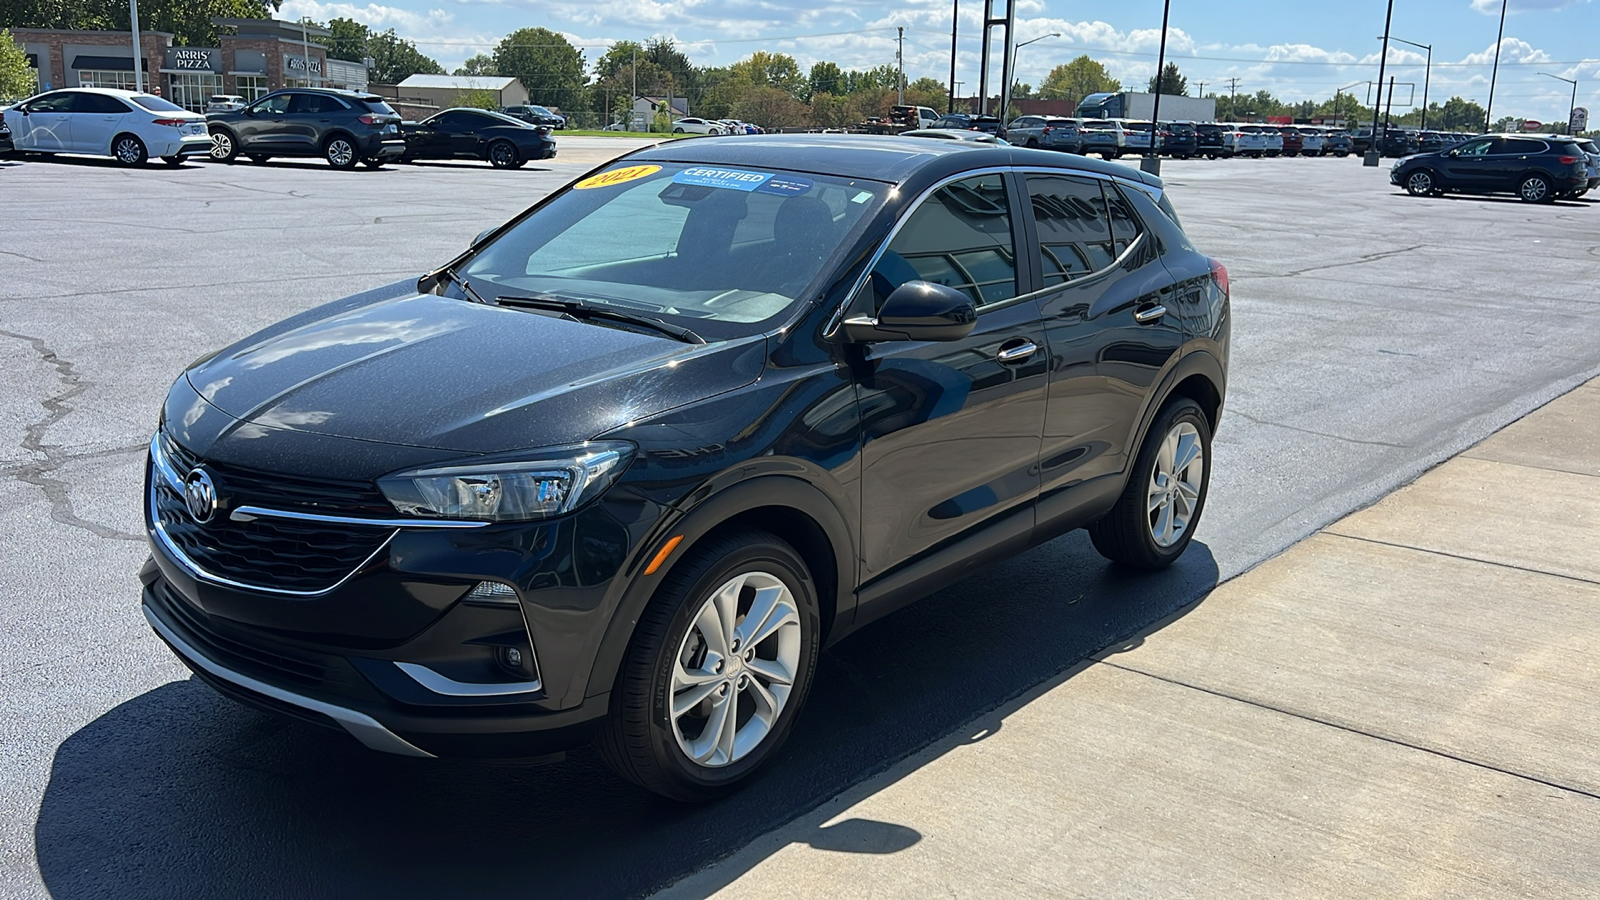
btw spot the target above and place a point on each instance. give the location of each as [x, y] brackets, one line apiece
[1375, 334]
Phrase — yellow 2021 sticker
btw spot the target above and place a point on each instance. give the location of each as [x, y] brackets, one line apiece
[616, 176]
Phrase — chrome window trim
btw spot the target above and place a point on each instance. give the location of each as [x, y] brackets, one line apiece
[361, 726]
[449, 687]
[1152, 191]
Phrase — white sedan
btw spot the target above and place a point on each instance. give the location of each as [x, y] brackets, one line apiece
[697, 126]
[127, 126]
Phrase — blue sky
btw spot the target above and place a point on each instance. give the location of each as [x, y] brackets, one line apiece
[1295, 49]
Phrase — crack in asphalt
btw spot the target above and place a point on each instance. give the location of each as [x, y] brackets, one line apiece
[58, 406]
[1338, 437]
[22, 256]
[1370, 257]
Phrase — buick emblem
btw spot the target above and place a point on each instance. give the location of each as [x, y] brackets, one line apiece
[200, 496]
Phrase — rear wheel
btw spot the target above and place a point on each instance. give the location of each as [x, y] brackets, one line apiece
[340, 152]
[718, 668]
[1156, 515]
[1536, 189]
[129, 150]
[1420, 183]
[503, 155]
[1033, 143]
[223, 146]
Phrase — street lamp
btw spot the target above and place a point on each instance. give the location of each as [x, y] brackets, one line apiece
[1494, 73]
[1373, 154]
[1427, 75]
[1152, 163]
[1005, 102]
[1570, 109]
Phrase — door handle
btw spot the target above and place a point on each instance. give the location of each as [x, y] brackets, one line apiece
[1014, 352]
[1149, 314]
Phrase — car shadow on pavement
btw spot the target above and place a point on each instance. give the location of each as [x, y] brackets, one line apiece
[179, 792]
[464, 165]
[1516, 201]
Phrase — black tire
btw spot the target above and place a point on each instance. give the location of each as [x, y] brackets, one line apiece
[503, 155]
[224, 147]
[1536, 189]
[677, 131]
[173, 161]
[128, 150]
[340, 152]
[638, 741]
[1033, 143]
[259, 158]
[1125, 536]
[1421, 183]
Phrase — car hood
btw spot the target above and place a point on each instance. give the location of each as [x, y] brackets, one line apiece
[434, 372]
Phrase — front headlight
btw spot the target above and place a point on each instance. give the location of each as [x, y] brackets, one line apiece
[552, 483]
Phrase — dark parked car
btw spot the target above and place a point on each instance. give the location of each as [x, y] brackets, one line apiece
[1048, 132]
[964, 122]
[1361, 140]
[502, 141]
[343, 127]
[1397, 142]
[621, 469]
[1181, 140]
[1535, 167]
[1431, 142]
[5, 131]
[535, 115]
[1338, 143]
[1210, 140]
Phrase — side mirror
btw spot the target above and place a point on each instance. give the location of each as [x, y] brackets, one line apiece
[479, 239]
[916, 311]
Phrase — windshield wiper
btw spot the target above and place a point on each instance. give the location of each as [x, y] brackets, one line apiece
[462, 283]
[578, 310]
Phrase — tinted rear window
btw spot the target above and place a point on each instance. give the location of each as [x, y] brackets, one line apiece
[156, 104]
[380, 107]
[1209, 129]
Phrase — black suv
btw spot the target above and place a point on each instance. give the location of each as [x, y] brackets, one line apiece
[343, 127]
[1209, 140]
[1181, 140]
[1534, 167]
[624, 467]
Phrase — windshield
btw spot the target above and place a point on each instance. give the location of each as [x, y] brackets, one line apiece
[710, 248]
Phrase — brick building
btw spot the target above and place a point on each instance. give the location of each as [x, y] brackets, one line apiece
[256, 56]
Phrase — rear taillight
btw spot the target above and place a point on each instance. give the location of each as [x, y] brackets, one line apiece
[1567, 160]
[1219, 274]
[1047, 129]
[370, 120]
[172, 123]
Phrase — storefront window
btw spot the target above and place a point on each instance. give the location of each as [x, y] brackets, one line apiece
[301, 83]
[191, 90]
[104, 79]
[253, 87]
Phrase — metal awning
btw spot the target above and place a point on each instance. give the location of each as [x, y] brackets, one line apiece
[106, 63]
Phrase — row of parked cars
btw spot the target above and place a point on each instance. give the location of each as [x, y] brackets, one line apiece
[346, 128]
[1112, 138]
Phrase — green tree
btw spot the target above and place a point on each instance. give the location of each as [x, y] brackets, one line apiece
[825, 78]
[771, 108]
[17, 78]
[348, 41]
[1458, 114]
[1078, 79]
[188, 20]
[928, 92]
[778, 70]
[478, 99]
[1172, 82]
[478, 64]
[877, 78]
[546, 63]
[395, 59]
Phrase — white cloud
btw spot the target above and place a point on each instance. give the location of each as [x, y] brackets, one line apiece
[1492, 7]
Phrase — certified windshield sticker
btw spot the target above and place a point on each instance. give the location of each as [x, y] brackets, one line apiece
[616, 176]
[786, 187]
[732, 179]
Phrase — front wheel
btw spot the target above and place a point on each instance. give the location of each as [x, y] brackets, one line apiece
[1536, 189]
[1420, 183]
[1156, 515]
[677, 131]
[129, 150]
[717, 670]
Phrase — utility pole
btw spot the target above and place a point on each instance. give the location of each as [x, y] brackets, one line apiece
[1493, 73]
[900, 60]
[138, 68]
[1373, 155]
[635, 98]
[955, 19]
[1202, 94]
[1233, 99]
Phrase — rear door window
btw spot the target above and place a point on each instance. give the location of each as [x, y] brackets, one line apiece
[1074, 226]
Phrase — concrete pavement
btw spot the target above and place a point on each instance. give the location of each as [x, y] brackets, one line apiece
[1400, 705]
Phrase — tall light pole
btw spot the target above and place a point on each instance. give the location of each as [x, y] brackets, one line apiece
[1373, 153]
[1427, 75]
[1005, 97]
[1574, 105]
[138, 67]
[955, 19]
[1340, 92]
[1152, 163]
[1488, 111]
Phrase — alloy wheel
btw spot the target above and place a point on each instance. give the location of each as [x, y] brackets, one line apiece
[1420, 183]
[1175, 483]
[340, 153]
[735, 669]
[129, 151]
[502, 155]
[221, 146]
[1535, 189]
